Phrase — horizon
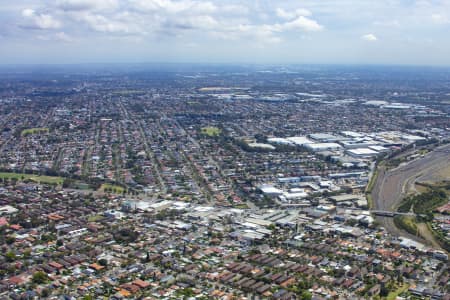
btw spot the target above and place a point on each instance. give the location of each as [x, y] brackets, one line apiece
[228, 64]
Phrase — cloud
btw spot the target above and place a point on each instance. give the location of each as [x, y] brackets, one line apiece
[87, 5]
[59, 36]
[39, 21]
[263, 34]
[304, 24]
[440, 19]
[63, 37]
[289, 15]
[235, 9]
[104, 24]
[169, 19]
[204, 22]
[370, 37]
[388, 23]
[173, 7]
[28, 12]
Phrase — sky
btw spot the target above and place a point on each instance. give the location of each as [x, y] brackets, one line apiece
[248, 31]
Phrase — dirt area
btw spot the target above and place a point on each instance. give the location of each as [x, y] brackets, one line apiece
[420, 188]
[426, 233]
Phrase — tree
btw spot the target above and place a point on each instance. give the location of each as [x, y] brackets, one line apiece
[186, 293]
[39, 277]
[305, 295]
[384, 291]
[10, 239]
[45, 293]
[103, 262]
[48, 237]
[10, 256]
[26, 253]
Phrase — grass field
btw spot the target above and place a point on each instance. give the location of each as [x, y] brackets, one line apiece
[372, 181]
[393, 295]
[115, 189]
[241, 206]
[406, 223]
[29, 131]
[35, 178]
[211, 131]
[369, 200]
[95, 218]
[369, 188]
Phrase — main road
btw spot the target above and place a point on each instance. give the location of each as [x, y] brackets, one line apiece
[393, 185]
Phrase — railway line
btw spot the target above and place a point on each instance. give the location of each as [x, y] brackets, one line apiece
[393, 185]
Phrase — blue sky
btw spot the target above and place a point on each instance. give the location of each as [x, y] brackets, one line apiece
[252, 31]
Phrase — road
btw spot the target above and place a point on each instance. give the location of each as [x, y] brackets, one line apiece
[392, 185]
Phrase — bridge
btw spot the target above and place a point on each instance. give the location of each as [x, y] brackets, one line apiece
[384, 213]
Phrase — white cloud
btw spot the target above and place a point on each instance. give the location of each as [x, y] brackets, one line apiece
[59, 36]
[234, 9]
[388, 23]
[263, 34]
[83, 5]
[289, 15]
[40, 21]
[169, 18]
[440, 19]
[266, 33]
[370, 37]
[63, 37]
[101, 23]
[28, 12]
[204, 22]
[45, 21]
[173, 7]
[304, 24]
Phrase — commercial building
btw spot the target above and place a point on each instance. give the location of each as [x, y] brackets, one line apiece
[323, 147]
[362, 152]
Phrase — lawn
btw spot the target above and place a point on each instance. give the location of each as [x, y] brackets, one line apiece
[112, 188]
[369, 200]
[29, 131]
[35, 178]
[393, 295]
[95, 218]
[241, 206]
[372, 181]
[211, 131]
[406, 223]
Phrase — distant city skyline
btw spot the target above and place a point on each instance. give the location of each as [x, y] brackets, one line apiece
[192, 31]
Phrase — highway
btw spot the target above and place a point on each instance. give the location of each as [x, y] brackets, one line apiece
[392, 185]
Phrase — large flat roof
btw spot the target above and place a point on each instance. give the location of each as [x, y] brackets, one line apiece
[300, 140]
[362, 151]
[324, 146]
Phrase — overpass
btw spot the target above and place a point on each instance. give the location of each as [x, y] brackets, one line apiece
[385, 213]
